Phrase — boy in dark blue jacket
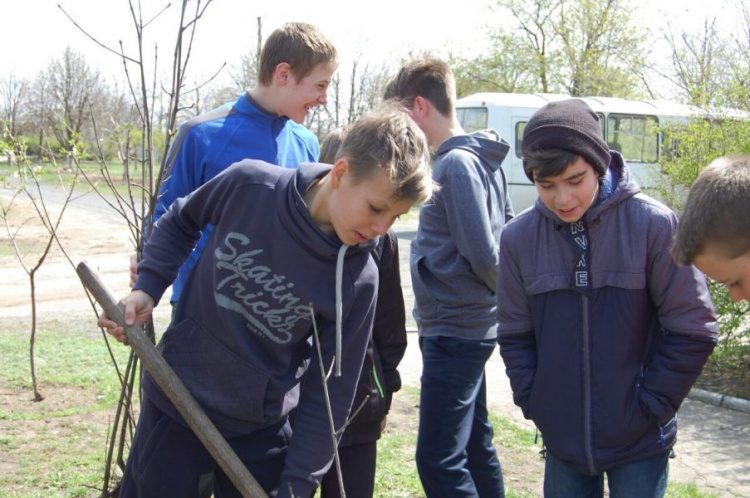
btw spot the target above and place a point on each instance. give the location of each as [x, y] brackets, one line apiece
[240, 340]
[602, 334]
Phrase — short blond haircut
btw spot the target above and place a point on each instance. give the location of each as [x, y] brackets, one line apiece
[717, 212]
[387, 139]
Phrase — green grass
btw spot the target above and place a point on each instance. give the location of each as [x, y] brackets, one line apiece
[66, 354]
[680, 490]
[7, 249]
[56, 447]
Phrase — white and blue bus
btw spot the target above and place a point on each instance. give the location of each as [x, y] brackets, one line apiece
[631, 127]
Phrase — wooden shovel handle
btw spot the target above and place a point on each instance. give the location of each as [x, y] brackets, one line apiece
[173, 387]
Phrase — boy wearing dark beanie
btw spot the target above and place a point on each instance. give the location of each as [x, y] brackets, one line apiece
[602, 334]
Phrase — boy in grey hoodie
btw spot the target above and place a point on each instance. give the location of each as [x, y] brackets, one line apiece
[454, 262]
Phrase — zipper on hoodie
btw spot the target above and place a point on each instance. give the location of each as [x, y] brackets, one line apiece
[587, 409]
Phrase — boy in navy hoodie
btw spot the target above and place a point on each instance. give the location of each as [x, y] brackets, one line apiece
[453, 270]
[296, 66]
[602, 334]
[289, 248]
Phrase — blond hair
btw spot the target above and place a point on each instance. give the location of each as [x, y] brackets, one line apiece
[387, 139]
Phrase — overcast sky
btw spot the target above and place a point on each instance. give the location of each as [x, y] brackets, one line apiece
[34, 32]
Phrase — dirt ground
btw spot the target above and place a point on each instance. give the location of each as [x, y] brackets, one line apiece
[91, 232]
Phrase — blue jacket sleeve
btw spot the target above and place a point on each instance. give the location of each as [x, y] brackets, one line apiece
[515, 334]
[686, 313]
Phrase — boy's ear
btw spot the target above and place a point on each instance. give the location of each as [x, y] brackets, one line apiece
[283, 74]
[420, 107]
[340, 169]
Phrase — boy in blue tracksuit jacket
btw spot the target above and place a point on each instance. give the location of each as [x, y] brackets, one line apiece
[298, 257]
[296, 66]
[602, 334]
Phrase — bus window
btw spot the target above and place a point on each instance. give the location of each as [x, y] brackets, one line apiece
[520, 127]
[635, 137]
[472, 118]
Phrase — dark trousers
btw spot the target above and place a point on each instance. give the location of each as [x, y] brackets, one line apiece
[358, 469]
[455, 454]
[167, 459]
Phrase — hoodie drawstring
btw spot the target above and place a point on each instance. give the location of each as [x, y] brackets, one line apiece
[339, 311]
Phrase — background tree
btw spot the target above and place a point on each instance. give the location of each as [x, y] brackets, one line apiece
[494, 71]
[711, 68]
[73, 87]
[40, 112]
[13, 101]
[579, 47]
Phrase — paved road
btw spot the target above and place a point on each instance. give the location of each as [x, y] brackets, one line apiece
[713, 448]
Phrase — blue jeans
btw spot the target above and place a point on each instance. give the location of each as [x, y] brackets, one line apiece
[640, 479]
[455, 456]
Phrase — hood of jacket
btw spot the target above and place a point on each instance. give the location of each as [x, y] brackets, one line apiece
[299, 222]
[485, 144]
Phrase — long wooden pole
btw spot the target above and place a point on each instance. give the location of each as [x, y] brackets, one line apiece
[173, 387]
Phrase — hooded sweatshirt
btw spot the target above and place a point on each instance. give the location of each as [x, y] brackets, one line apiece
[603, 336]
[240, 339]
[209, 143]
[454, 257]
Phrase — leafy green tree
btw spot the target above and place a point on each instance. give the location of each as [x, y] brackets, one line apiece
[695, 145]
[579, 47]
[711, 67]
[495, 72]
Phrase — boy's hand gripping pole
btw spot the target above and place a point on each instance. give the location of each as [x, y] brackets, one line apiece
[173, 387]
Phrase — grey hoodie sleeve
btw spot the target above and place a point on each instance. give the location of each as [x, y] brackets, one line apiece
[464, 193]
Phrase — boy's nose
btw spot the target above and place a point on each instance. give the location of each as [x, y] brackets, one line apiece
[381, 228]
[737, 295]
[562, 197]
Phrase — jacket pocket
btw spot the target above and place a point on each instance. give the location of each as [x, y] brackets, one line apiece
[222, 381]
[426, 306]
[668, 432]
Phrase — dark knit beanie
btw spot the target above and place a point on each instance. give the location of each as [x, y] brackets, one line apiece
[569, 125]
